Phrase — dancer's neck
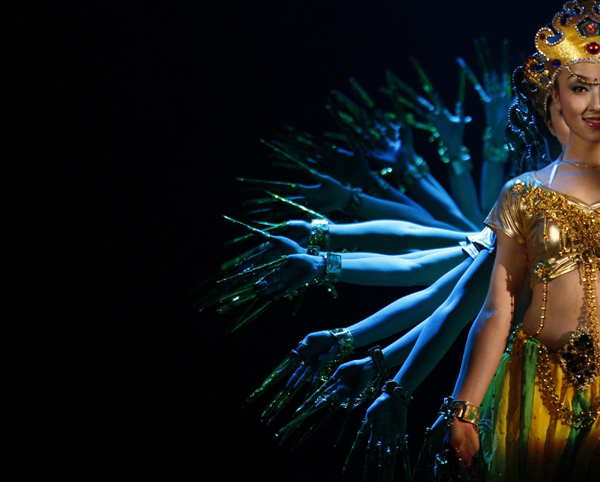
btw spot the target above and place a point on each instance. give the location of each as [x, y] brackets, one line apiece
[583, 152]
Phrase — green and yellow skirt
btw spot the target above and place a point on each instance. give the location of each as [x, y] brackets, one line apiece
[528, 439]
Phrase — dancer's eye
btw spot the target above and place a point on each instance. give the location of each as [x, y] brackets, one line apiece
[579, 88]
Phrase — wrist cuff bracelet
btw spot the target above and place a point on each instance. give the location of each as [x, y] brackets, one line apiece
[492, 153]
[495, 154]
[356, 200]
[415, 170]
[466, 411]
[461, 410]
[345, 343]
[319, 233]
[393, 389]
[344, 340]
[460, 166]
[333, 272]
[313, 250]
[380, 362]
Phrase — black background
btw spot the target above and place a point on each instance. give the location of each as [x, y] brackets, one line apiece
[129, 122]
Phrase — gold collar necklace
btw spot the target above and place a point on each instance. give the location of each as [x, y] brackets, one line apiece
[578, 164]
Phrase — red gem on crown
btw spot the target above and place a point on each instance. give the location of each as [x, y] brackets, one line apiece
[593, 48]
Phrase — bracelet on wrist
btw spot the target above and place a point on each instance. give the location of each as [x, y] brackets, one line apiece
[379, 362]
[415, 170]
[458, 167]
[313, 250]
[459, 164]
[344, 339]
[319, 233]
[496, 154]
[393, 389]
[460, 410]
[333, 272]
[356, 200]
[492, 153]
[345, 342]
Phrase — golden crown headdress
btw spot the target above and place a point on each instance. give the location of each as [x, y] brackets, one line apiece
[573, 36]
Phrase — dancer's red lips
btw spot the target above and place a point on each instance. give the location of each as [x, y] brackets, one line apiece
[593, 122]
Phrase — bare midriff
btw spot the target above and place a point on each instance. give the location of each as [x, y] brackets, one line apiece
[566, 309]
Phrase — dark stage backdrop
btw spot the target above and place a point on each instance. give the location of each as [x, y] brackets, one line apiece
[130, 122]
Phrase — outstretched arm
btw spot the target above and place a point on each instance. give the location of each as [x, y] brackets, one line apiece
[421, 349]
[496, 96]
[328, 195]
[441, 329]
[375, 208]
[297, 271]
[392, 236]
[448, 129]
[379, 236]
[408, 310]
[401, 271]
[487, 339]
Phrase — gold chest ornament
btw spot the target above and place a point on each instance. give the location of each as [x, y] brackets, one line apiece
[579, 237]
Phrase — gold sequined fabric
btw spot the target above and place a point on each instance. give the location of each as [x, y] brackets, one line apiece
[560, 230]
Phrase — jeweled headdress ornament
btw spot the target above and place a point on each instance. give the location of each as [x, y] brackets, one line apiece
[572, 37]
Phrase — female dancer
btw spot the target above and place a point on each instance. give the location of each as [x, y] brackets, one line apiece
[544, 401]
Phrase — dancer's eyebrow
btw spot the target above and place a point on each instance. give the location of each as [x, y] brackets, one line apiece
[581, 77]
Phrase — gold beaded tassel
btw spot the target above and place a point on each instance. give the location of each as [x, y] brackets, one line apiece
[543, 308]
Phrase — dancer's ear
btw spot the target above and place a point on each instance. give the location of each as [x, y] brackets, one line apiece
[550, 125]
[555, 92]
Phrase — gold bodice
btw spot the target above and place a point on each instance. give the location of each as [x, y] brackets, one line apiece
[559, 232]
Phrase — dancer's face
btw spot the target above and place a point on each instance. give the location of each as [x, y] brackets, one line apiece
[557, 125]
[579, 100]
